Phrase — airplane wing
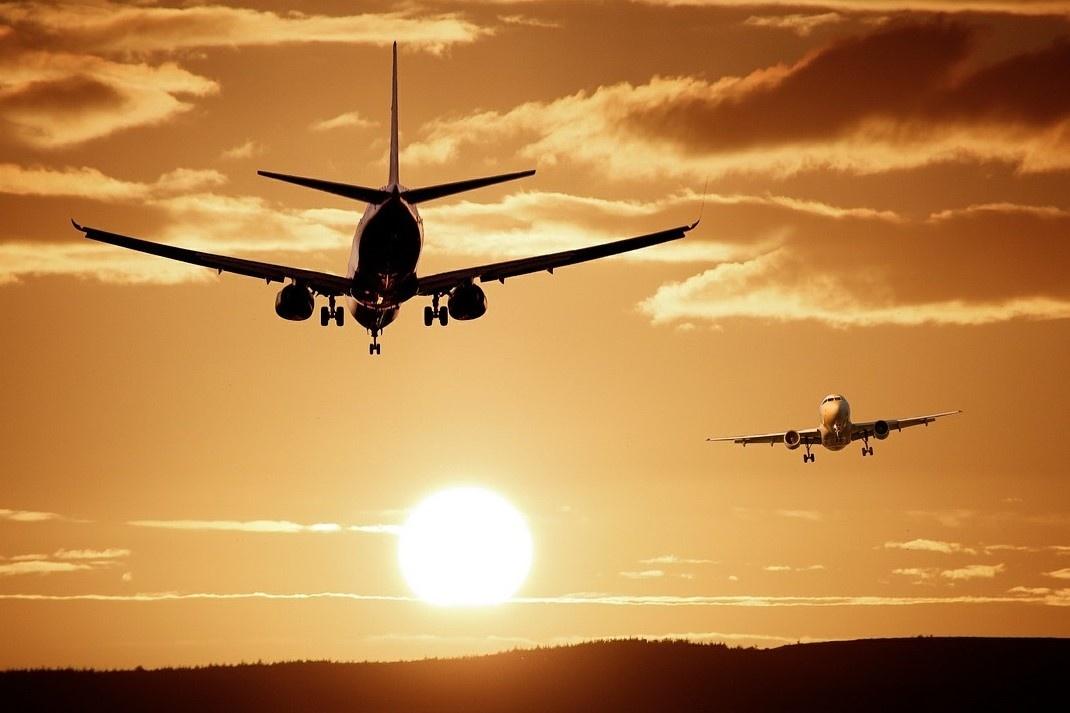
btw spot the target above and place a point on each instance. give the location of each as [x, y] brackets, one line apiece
[320, 282]
[445, 281]
[868, 430]
[809, 436]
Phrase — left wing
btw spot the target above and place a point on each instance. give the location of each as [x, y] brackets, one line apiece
[807, 436]
[869, 429]
[320, 282]
[445, 281]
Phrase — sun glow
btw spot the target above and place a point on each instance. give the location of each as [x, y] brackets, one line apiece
[465, 547]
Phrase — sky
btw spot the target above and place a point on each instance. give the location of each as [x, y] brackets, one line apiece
[883, 190]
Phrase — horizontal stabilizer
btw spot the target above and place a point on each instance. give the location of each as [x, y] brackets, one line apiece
[428, 193]
[346, 190]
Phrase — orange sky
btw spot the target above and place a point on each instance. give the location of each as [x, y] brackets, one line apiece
[886, 217]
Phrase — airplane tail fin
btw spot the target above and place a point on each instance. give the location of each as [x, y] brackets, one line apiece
[393, 181]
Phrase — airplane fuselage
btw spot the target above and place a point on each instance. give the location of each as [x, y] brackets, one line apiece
[835, 426]
[382, 261]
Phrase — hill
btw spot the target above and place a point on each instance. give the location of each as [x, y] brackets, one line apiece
[632, 675]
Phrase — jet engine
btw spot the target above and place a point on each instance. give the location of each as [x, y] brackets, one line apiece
[792, 440]
[467, 302]
[295, 303]
[881, 429]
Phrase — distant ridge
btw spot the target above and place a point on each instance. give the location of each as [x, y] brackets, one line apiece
[628, 675]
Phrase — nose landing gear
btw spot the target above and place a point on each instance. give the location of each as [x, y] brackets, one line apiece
[808, 457]
[375, 347]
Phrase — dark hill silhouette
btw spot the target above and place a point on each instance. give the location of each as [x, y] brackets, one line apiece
[877, 674]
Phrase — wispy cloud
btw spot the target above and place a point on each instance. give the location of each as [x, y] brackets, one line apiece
[349, 120]
[28, 516]
[800, 24]
[246, 150]
[811, 515]
[644, 574]
[624, 600]
[918, 574]
[262, 526]
[62, 561]
[86, 182]
[788, 568]
[674, 559]
[930, 546]
[1059, 573]
[1028, 8]
[973, 571]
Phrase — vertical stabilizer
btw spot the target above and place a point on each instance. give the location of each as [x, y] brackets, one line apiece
[394, 124]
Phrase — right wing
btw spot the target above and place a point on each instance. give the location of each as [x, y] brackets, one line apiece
[445, 281]
[809, 436]
[320, 282]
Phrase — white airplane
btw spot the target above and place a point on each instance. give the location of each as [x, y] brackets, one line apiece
[386, 249]
[836, 431]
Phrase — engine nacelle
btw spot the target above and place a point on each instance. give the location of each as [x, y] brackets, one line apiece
[881, 430]
[792, 440]
[467, 302]
[295, 303]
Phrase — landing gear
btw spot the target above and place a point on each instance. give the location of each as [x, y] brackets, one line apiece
[808, 457]
[866, 448]
[434, 311]
[331, 312]
[375, 347]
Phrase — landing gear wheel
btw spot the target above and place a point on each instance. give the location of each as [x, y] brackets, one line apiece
[339, 316]
[429, 316]
[443, 316]
[325, 316]
[867, 451]
[808, 457]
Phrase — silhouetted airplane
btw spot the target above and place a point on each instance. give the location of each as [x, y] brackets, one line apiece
[836, 431]
[386, 248]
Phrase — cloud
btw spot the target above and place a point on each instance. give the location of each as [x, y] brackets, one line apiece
[262, 526]
[28, 516]
[1030, 591]
[644, 574]
[8, 569]
[246, 150]
[86, 182]
[673, 559]
[120, 28]
[1057, 549]
[930, 546]
[811, 515]
[787, 568]
[74, 74]
[527, 21]
[1059, 573]
[350, 119]
[780, 286]
[613, 600]
[908, 94]
[801, 25]
[920, 574]
[1055, 8]
[51, 100]
[62, 561]
[973, 571]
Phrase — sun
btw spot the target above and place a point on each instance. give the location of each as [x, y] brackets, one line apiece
[465, 547]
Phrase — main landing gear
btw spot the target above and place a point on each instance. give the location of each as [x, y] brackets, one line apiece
[808, 457]
[866, 448]
[375, 347]
[433, 312]
[332, 313]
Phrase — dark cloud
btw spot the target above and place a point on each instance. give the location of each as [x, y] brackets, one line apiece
[896, 82]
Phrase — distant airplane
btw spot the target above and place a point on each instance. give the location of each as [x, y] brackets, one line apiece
[381, 274]
[836, 431]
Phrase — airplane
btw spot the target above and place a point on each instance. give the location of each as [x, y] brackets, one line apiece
[836, 431]
[381, 273]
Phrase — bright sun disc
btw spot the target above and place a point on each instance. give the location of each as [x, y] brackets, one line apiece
[465, 546]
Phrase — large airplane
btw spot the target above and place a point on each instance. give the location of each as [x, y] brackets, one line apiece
[836, 431]
[381, 274]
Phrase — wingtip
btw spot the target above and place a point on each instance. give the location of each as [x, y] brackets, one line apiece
[693, 225]
[77, 226]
